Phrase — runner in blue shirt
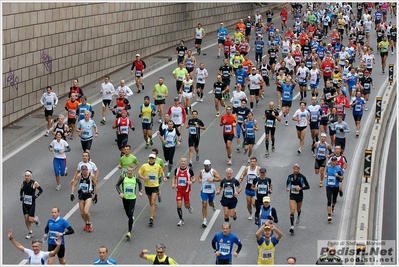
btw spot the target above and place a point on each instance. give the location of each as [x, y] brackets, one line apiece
[221, 33]
[357, 110]
[334, 175]
[222, 244]
[287, 96]
[241, 76]
[103, 259]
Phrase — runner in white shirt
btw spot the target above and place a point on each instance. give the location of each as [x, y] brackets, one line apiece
[255, 81]
[126, 89]
[91, 166]
[302, 118]
[49, 101]
[36, 255]
[107, 90]
[200, 75]
[238, 95]
[178, 116]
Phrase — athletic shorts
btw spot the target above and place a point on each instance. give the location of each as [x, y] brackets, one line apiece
[249, 141]
[226, 81]
[297, 199]
[249, 192]
[254, 92]
[300, 128]
[84, 196]
[182, 193]
[198, 41]
[286, 103]
[357, 117]
[279, 88]
[106, 102]
[340, 142]
[193, 141]
[201, 86]
[121, 140]
[151, 190]
[187, 94]
[48, 113]
[221, 42]
[323, 122]
[218, 96]
[29, 209]
[86, 144]
[230, 203]
[146, 126]
[159, 102]
[71, 121]
[228, 137]
[332, 132]
[247, 33]
[207, 196]
[383, 54]
[272, 130]
[266, 79]
[190, 70]
[366, 92]
[318, 163]
[314, 125]
[61, 252]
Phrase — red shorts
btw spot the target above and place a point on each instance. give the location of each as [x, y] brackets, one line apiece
[183, 193]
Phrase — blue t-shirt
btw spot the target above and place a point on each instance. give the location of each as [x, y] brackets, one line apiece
[222, 33]
[358, 108]
[259, 46]
[240, 76]
[108, 261]
[87, 126]
[58, 225]
[332, 180]
[224, 244]
[287, 93]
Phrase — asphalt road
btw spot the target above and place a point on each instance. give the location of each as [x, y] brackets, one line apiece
[183, 243]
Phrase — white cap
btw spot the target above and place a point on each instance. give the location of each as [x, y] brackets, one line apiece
[207, 162]
[323, 134]
[152, 156]
[249, 17]
[137, 55]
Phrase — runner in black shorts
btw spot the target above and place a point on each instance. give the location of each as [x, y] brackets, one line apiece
[271, 115]
[296, 183]
[194, 125]
[231, 187]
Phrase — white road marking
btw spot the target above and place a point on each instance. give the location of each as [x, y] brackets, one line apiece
[240, 172]
[208, 228]
[23, 262]
[259, 141]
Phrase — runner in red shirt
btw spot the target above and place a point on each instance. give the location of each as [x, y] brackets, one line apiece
[341, 103]
[75, 89]
[122, 125]
[284, 18]
[302, 38]
[227, 44]
[138, 76]
[327, 67]
[334, 37]
[182, 181]
[289, 34]
[228, 121]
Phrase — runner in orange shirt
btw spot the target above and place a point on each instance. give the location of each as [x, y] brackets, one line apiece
[240, 25]
[72, 107]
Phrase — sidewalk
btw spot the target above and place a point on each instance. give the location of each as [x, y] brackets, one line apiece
[15, 134]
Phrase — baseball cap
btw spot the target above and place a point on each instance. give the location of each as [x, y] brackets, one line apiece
[262, 170]
[221, 23]
[124, 111]
[259, 35]
[329, 44]
[137, 55]
[146, 97]
[83, 168]
[207, 162]
[366, 71]
[176, 99]
[253, 68]
[323, 134]
[238, 85]
[296, 165]
[152, 156]
[266, 199]
[346, 60]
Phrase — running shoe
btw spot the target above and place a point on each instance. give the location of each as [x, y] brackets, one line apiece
[332, 209]
[190, 164]
[30, 235]
[245, 151]
[341, 193]
[278, 107]
[292, 229]
[250, 217]
[201, 100]
[180, 223]
[89, 228]
[197, 157]
[298, 219]
[160, 121]
[248, 160]
[37, 222]
[357, 133]
[218, 114]
[86, 227]
[329, 218]
[151, 222]
[47, 132]
[128, 235]
[238, 148]
[58, 188]
[151, 142]
[168, 175]
[273, 149]
[383, 71]
[147, 145]
[190, 209]
[103, 121]
[198, 99]
[321, 184]
[267, 153]
[256, 105]
[218, 56]
[286, 123]
[366, 108]
[213, 207]
[66, 171]
[159, 198]
[142, 87]
[204, 224]
[138, 91]
[299, 150]
[228, 161]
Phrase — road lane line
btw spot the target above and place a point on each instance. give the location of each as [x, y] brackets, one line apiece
[209, 227]
[23, 262]
[240, 172]
[259, 141]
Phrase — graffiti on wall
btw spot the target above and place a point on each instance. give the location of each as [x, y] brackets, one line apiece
[12, 80]
[47, 61]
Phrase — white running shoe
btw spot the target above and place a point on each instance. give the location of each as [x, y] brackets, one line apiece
[58, 188]
[180, 223]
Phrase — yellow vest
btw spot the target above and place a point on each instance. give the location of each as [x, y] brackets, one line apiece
[266, 253]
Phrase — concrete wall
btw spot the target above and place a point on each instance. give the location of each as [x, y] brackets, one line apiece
[53, 43]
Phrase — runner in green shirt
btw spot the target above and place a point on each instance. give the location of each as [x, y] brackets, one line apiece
[159, 94]
[126, 160]
[384, 49]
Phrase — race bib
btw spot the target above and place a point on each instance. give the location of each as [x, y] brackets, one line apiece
[72, 112]
[159, 96]
[321, 151]
[129, 190]
[138, 72]
[240, 118]
[145, 119]
[28, 200]
[84, 187]
[192, 130]
[152, 177]
[218, 90]
[262, 189]
[286, 94]
[124, 129]
[358, 107]
[228, 193]
[180, 78]
[293, 190]
[236, 102]
[314, 118]
[181, 53]
[181, 181]
[266, 254]
[331, 180]
[224, 249]
[228, 128]
[269, 123]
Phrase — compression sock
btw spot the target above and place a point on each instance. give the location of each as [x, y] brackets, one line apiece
[180, 213]
[292, 219]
